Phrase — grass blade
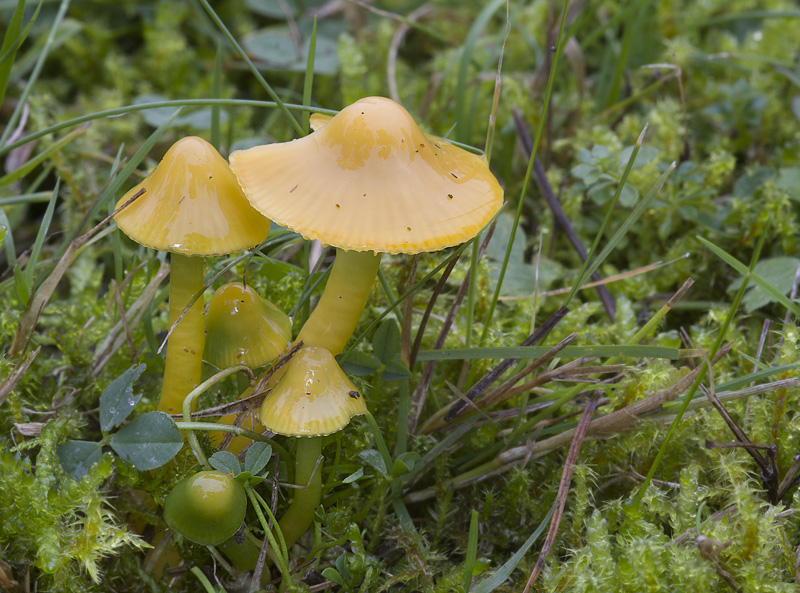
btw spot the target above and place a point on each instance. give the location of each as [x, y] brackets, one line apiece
[502, 574]
[37, 69]
[18, 174]
[464, 121]
[749, 273]
[273, 95]
[308, 81]
[472, 550]
[527, 352]
[12, 41]
[37, 244]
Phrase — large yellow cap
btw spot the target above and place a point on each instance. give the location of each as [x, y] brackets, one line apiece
[192, 205]
[313, 398]
[243, 327]
[370, 180]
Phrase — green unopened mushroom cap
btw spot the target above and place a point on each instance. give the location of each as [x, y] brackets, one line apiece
[243, 327]
[313, 398]
[207, 507]
[192, 205]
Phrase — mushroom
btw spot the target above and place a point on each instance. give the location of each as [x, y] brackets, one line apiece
[243, 327]
[207, 507]
[192, 206]
[314, 398]
[367, 181]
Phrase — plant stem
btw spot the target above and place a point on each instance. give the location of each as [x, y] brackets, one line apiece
[308, 476]
[185, 346]
[337, 313]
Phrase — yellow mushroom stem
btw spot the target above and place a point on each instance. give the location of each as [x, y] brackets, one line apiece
[185, 345]
[335, 317]
[306, 497]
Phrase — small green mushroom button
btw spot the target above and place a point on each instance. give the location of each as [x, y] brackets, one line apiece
[207, 507]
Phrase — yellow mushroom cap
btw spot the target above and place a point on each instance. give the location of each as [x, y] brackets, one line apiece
[192, 205]
[313, 398]
[243, 327]
[370, 180]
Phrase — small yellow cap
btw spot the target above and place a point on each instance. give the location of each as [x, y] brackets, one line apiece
[192, 205]
[368, 179]
[313, 398]
[243, 327]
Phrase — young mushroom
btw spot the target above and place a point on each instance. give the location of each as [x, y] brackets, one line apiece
[367, 181]
[207, 507]
[192, 206]
[314, 398]
[243, 327]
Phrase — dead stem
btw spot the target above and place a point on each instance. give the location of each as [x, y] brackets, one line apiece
[563, 488]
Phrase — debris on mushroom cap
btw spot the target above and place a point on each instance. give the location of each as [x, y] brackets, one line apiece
[313, 398]
[244, 328]
[370, 180]
[192, 205]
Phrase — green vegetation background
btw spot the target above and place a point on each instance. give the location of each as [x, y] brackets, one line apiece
[717, 83]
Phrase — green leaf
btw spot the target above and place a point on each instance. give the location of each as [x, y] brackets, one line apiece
[226, 462]
[395, 371]
[778, 272]
[756, 278]
[149, 441]
[354, 476]
[117, 400]
[275, 47]
[386, 342]
[77, 457]
[373, 458]
[257, 457]
[199, 119]
[333, 575]
[405, 463]
[359, 364]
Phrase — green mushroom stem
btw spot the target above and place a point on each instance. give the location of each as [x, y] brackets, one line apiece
[307, 496]
[335, 317]
[183, 370]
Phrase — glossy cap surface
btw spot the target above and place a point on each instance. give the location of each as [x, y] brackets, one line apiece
[370, 180]
[207, 507]
[192, 205]
[313, 398]
[244, 328]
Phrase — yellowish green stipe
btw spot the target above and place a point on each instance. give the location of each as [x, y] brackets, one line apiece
[185, 345]
[335, 317]
[305, 498]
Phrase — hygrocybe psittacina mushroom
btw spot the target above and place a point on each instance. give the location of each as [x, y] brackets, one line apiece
[367, 181]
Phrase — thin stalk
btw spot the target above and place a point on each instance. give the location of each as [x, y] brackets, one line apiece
[282, 560]
[184, 362]
[189, 400]
[518, 214]
[305, 500]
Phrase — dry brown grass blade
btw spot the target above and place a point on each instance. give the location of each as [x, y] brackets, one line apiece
[492, 376]
[130, 318]
[421, 390]
[563, 488]
[612, 423]
[48, 287]
[8, 384]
